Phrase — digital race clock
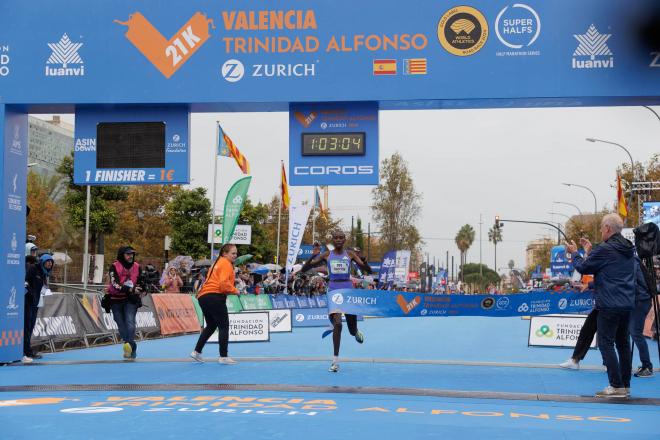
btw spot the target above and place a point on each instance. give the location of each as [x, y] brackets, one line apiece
[334, 144]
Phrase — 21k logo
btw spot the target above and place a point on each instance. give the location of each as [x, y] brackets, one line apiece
[167, 55]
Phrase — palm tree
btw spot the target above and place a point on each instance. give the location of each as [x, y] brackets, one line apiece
[464, 239]
[495, 236]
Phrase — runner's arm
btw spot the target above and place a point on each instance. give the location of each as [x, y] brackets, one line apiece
[314, 260]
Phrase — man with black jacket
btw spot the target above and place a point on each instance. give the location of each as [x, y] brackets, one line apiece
[613, 265]
[36, 284]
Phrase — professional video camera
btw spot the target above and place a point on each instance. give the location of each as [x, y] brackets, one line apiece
[647, 244]
[149, 279]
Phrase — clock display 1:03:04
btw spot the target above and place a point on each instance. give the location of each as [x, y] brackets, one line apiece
[333, 144]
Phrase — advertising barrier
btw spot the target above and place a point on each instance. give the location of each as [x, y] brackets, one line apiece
[280, 321]
[556, 331]
[176, 313]
[412, 304]
[234, 304]
[317, 317]
[59, 318]
[281, 301]
[255, 302]
[247, 327]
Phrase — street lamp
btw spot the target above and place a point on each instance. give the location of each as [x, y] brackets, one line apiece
[595, 205]
[559, 213]
[569, 204]
[632, 164]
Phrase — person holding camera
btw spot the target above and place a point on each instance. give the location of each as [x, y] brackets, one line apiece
[125, 297]
[613, 265]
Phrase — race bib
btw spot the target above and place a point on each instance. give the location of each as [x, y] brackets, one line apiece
[338, 267]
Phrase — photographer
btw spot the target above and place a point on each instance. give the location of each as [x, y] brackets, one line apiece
[124, 297]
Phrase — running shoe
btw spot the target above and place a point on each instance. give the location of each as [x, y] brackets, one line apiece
[327, 333]
[133, 350]
[570, 364]
[359, 336]
[128, 350]
[613, 393]
[334, 368]
[644, 372]
[27, 360]
[36, 356]
[226, 361]
[197, 356]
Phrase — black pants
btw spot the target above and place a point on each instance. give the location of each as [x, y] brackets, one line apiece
[29, 321]
[214, 307]
[613, 330]
[586, 337]
[335, 319]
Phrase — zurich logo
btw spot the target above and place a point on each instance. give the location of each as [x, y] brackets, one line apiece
[232, 70]
[338, 298]
[423, 312]
[523, 308]
[300, 317]
[502, 303]
[176, 138]
[563, 303]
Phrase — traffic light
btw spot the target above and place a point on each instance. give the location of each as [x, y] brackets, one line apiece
[498, 224]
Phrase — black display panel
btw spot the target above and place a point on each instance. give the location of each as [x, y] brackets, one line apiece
[334, 144]
[130, 145]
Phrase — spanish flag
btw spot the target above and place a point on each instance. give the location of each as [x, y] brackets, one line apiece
[621, 201]
[227, 148]
[285, 189]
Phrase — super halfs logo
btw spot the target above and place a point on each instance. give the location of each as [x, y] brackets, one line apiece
[167, 55]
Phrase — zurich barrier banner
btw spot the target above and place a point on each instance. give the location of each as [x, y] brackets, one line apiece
[317, 317]
[411, 304]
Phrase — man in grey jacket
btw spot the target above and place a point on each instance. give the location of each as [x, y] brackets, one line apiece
[613, 265]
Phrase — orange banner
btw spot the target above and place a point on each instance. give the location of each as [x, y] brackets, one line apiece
[176, 313]
[167, 56]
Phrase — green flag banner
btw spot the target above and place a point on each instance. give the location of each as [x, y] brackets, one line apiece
[256, 302]
[233, 206]
[234, 304]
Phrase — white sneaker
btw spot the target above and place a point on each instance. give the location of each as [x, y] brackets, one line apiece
[334, 368]
[197, 356]
[27, 360]
[226, 360]
[613, 393]
[570, 364]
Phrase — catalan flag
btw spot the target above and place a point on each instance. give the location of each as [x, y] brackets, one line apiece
[622, 209]
[414, 66]
[384, 67]
[227, 148]
[285, 189]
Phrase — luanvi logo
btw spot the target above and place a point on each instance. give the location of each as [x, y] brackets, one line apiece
[64, 53]
[655, 59]
[167, 55]
[593, 46]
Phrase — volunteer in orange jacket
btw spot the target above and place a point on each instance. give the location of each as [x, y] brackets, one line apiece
[213, 302]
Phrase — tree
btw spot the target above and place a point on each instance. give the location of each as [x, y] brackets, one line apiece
[464, 239]
[143, 221]
[45, 216]
[359, 235]
[471, 274]
[511, 264]
[257, 216]
[103, 215]
[189, 214]
[649, 172]
[495, 236]
[396, 205]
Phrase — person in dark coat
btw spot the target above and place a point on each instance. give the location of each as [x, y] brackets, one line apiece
[36, 284]
[637, 319]
[613, 265]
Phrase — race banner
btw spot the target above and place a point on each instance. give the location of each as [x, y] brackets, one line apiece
[234, 304]
[247, 327]
[412, 304]
[57, 319]
[176, 313]
[310, 317]
[386, 273]
[146, 319]
[280, 321]
[233, 206]
[298, 216]
[556, 331]
[283, 301]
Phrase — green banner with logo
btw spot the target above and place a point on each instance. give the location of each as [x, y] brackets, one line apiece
[234, 304]
[256, 302]
[233, 206]
[198, 310]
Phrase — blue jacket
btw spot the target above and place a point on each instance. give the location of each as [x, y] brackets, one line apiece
[613, 265]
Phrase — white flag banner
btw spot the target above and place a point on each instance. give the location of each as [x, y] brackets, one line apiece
[298, 215]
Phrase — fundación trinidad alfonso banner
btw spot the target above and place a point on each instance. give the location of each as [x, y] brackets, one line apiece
[413, 304]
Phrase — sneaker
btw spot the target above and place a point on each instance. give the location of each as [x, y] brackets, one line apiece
[36, 356]
[128, 350]
[197, 356]
[27, 360]
[334, 368]
[644, 372]
[359, 336]
[570, 364]
[226, 360]
[613, 393]
[134, 350]
[327, 333]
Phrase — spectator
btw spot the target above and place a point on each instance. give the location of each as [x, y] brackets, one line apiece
[199, 282]
[638, 318]
[172, 282]
[37, 274]
[613, 265]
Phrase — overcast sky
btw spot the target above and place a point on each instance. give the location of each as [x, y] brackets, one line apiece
[465, 163]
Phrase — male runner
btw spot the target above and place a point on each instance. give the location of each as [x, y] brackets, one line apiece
[339, 274]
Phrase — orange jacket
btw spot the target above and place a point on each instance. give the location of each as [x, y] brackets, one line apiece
[220, 279]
